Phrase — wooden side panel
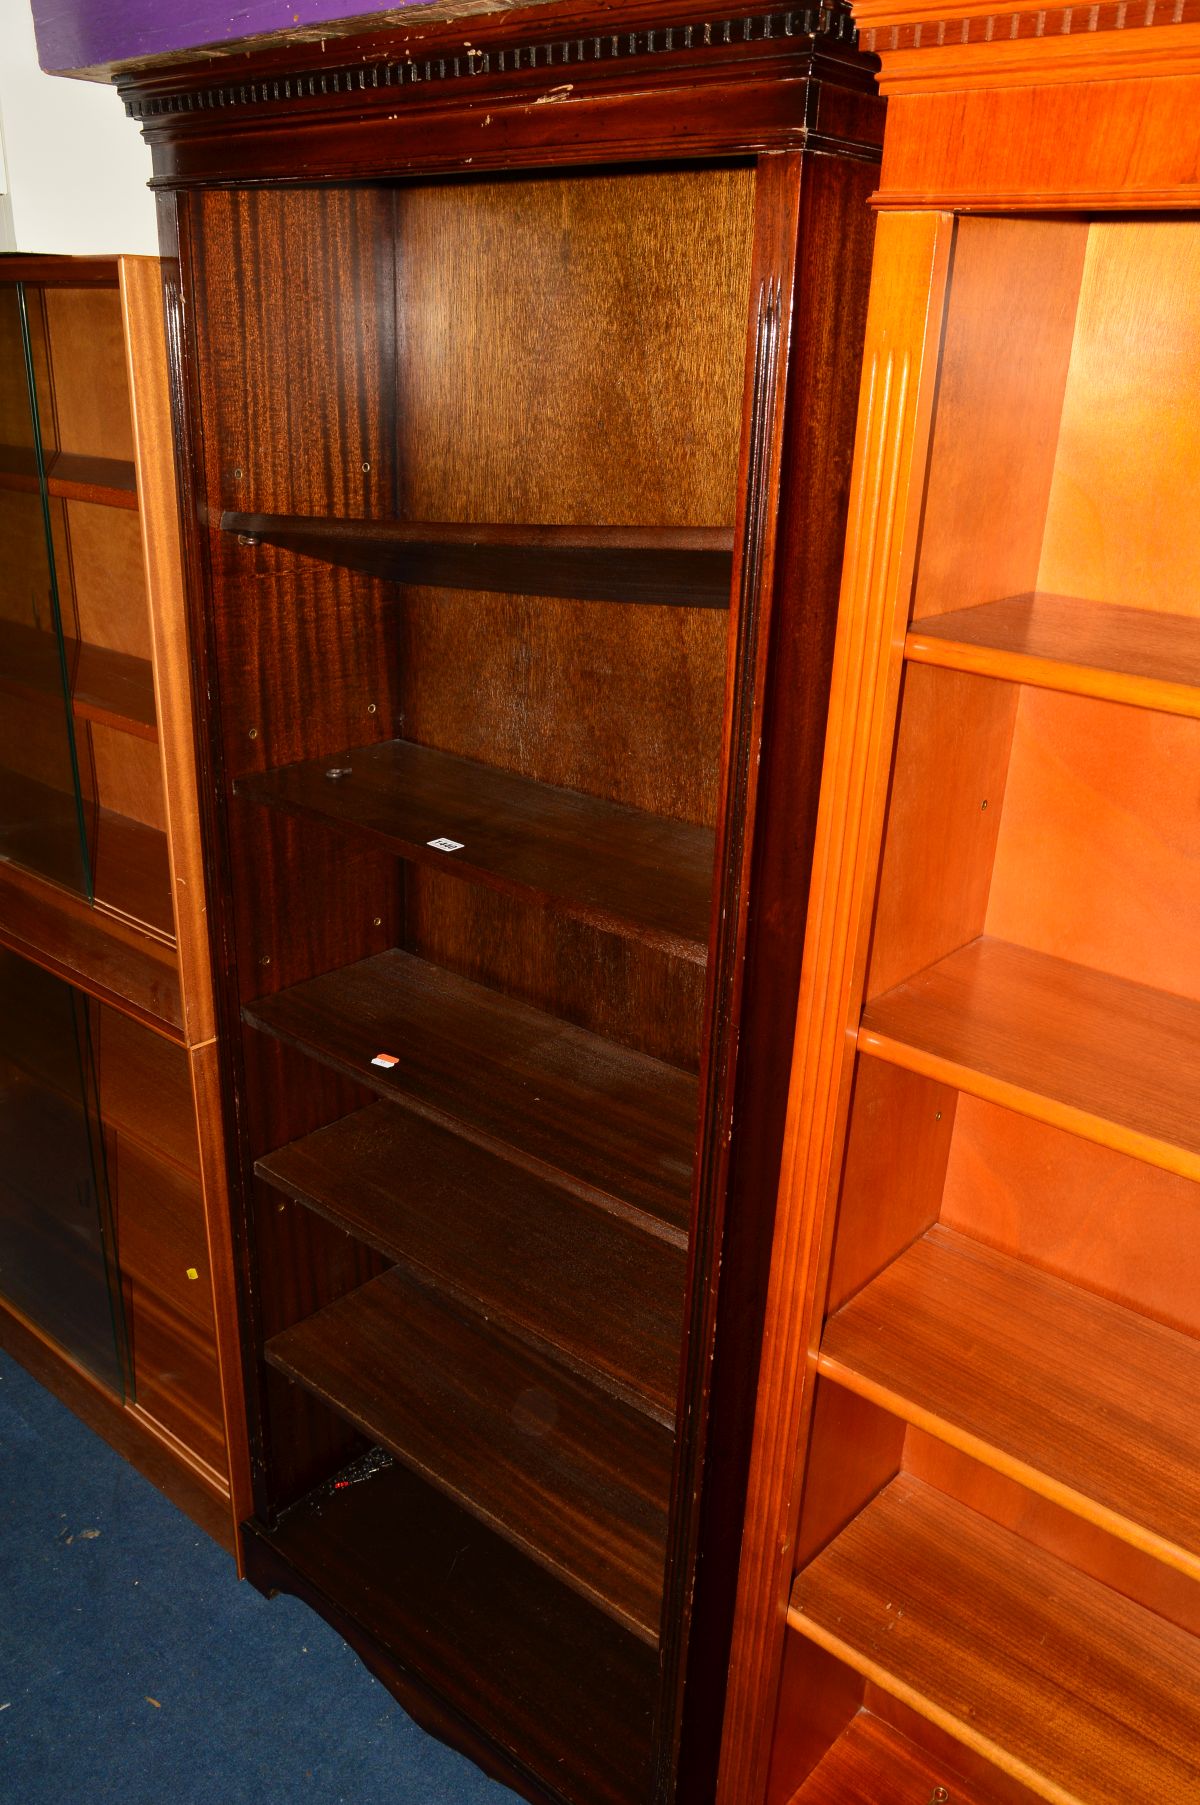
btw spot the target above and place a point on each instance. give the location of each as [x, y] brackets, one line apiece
[903, 335]
[142, 306]
[944, 816]
[1009, 327]
[780, 773]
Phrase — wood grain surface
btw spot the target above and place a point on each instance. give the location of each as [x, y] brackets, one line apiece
[626, 871]
[611, 1123]
[903, 333]
[986, 1352]
[1128, 434]
[70, 476]
[106, 686]
[1148, 659]
[574, 1477]
[1098, 859]
[1085, 1697]
[873, 1764]
[435, 1599]
[569, 1277]
[1107, 1059]
[663, 566]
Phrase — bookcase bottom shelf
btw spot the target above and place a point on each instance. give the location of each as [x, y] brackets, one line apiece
[572, 1475]
[1081, 1695]
[467, 1631]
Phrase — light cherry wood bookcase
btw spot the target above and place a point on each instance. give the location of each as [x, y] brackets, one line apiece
[101, 890]
[973, 1541]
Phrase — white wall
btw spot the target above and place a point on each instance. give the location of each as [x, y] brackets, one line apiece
[76, 166]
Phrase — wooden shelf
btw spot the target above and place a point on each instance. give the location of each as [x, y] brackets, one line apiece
[668, 566]
[576, 1478]
[1080, 1694]
[609, 1123]
[873, 1764]
[575, 1280]
[1112, 1061]
[984, 1351]
[499, 1639]
[110, 482]
[625, 871]
[1150, 660]
[131, 872]
[113, 689]
[110, 959]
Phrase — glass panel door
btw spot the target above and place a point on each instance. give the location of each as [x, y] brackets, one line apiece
[42, 824]
[58, 1262]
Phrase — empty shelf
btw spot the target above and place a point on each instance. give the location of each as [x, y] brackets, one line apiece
[111, 688]
[685, 566]
[556, 1270]
[111, 482]
[1104, 1058]
[610, 1123]
[574, 1477]
[1132, 655]
[1080, 1694]
[626, 871]
[984, 1351]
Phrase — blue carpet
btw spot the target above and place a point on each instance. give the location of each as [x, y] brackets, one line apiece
[134, 1667]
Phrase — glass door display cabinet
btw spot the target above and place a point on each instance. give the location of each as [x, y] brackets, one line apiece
[516, 363]
[112, 1214]
[974, 1568]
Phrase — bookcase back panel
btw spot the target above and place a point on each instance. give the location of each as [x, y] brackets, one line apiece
[24, 569]
[1055, 821]
[101, 575]
[32, 744]
[591, 356]
[1124, 508]
[16, 426]
[128, 776]
[1096, 1217]
[585, 335]
[629, 993]
[616, 699]
[1098, 859]
[91, 393]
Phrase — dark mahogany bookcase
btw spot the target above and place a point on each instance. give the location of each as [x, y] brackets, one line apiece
[516, 363]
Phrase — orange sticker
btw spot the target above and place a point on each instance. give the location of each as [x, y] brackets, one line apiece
[385, 1059]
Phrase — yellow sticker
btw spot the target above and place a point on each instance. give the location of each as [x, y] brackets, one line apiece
[192, 1273]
